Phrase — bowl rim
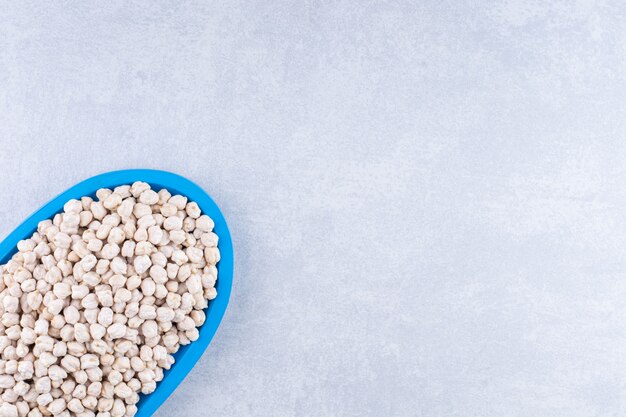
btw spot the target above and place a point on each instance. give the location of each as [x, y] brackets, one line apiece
[187, 356]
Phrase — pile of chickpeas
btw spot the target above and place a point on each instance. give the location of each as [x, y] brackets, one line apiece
[95, 303]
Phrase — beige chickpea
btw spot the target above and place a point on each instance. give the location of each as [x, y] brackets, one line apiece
[85, 218]
[172, 223]
[67, 333]
[142, 263]
[118, 409]
[81, 333]
[168, 210]
[94, 388]
[102, 266]
[158, 274]
[70, 363]
[79, 291]
[56, 373]
[140, 210]
[99, 346]
[189, 225]
[149, 328]
[118, 266]
[105, 403]
[62, 240]
[91, 315]
[104, 293]
[89, 301]
[149, 197]
[75, 406]
[103, 231]
[134, 322]
[79, 391]
[204, 223]
[105, 316]
[184, 272]
[42, 385]
[80, 377]
[177, 236]
[89, 361]
[193, 210]
[44, 399]
[112, 201]
[164, 196]
[173, 300]
[179, 201]
[88, 262]
[55, 306]
[122, 295]
[194, 284]
[146, 222]
[110, 251]
[147, 312]
[172, 270]
[71, 314]
[130, 227]
[90, 402]
[194, 255]
[91, 279]
[103, 193]
[148, 387]
[125, 209]
[133, 282]
[112, 219]
[121, 364]
[76, 348]
[160, 292]
[128, 248]
[95, 244]
[56, 406]
[73, 206]
[60, 349]
[140, 234]
[212, 255]
[116, 331]
[179, 257]
[155, 234]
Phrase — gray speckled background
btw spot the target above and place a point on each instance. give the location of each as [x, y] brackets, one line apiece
[427, 199]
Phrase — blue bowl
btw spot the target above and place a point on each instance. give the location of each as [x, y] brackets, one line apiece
[188, 355]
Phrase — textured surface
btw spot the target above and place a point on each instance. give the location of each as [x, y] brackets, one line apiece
[427, 200]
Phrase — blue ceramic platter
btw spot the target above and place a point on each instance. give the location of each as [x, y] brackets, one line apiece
[188, 355]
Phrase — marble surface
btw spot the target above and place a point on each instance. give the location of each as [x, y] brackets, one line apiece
[427, 199]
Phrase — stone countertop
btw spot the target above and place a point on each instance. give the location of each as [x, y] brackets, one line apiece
[427, 199]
